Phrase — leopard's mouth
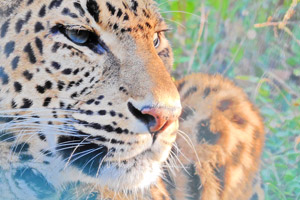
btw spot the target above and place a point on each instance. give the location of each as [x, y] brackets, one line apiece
[91, 157]
[105, 166]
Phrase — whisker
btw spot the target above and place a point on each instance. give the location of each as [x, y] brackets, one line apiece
[100, 164]
[75, 150]
[29, 132]
[24, 144]
[175, 22]
[180, 152]
[189, 142]
[67, 146]
[102, 161]
[84, 153]
[179, 11]
[50, 152]
[36, 110]
[14, 146]
[92, 159]
[160, 4]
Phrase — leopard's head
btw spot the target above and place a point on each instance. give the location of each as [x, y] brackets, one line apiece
[86, 82]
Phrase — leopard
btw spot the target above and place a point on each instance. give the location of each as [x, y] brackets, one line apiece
[89, 110]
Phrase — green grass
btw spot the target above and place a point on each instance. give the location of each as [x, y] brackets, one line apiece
[263, 61]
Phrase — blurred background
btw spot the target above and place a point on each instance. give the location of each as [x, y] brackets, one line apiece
[256, 43]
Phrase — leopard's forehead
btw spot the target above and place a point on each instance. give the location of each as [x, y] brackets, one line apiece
[118, 15]
[126, 16]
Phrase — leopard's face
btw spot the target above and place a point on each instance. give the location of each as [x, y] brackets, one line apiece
[86, 82]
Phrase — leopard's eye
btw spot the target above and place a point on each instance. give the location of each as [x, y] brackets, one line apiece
[156, 40]
[83, 37]
[78, 36]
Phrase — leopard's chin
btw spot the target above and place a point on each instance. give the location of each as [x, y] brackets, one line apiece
[139, 176]
[136, 173]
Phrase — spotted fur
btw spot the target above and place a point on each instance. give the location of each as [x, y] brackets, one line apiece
[220, 140]
[101, 116]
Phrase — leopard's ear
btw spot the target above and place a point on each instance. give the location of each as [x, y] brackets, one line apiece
[8, 7]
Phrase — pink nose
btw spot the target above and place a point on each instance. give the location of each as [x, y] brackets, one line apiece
[157, 119]
[162, 118]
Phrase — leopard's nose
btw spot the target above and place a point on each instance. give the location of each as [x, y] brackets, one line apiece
[157, 119]
[161, 118]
